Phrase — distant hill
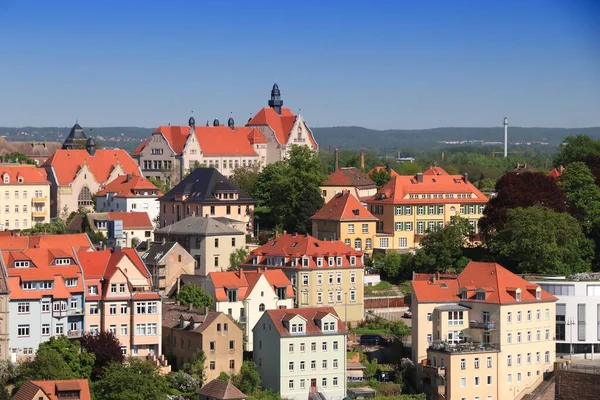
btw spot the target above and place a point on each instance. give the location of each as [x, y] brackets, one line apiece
[346, 137]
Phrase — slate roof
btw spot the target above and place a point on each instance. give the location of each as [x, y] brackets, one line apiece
[199, 226]
[157, 251]
[202, 184]
[221, 390]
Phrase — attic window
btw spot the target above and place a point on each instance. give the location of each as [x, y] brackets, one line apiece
[62, 261]
[295, 244]
[273, 243]
[21, 264]
[538, 293]
[518, 295]
[444, 285]
[480, 296]
[463, 295]
[20, 179]
[356, 211]
[6, 178]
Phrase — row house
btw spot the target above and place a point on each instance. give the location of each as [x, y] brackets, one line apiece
[25, 195]
[410, 206]
[46, 297]
[345, 218]
[120, 299]
[302, 351]
[205, 192]
[323, 272]
[77, 175]
[486, 333]
[246, 295]
[130, 193]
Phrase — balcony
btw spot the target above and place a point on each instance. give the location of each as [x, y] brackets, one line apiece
[487, 325]
[434, 371]
[39, 214]
[74, 333]
[78, 311]
[39, 200]
[465, 347]
[59, 313]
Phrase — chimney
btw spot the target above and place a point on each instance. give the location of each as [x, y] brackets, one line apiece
[276, 234]
[420, 177]
[337, 159]
[127, 177]
[190, 307]
[362, 162]
[433, 278]
[388, 168]
[466, 177]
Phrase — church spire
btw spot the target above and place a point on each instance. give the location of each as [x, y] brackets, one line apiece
[275, 103]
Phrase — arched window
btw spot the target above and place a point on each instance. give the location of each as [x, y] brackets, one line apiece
[261, 307]
[357, 244]
[85, 198]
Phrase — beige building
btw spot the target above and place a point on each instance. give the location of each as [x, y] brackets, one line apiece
[301, 351]
[186, 330]
[166, 262]
[486, 334]
[344, 218]
[25, 194]
[410, 206]
[77, 175]
[323, 272]
[209, 241]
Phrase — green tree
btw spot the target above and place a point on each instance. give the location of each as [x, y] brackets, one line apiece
[17, 157]
[56, 226]
[135, 380]
[394, 266]
[105, 347]
[4, 395]
[309, 202]
[162, 186]
[542, 241]
[223, 376]
[194, 295]
[184, 384]
[246, 178]
[248, 380]
[380, 177]
[442, 250]
[583, 195]
[195, 368]
[237, 257]
[576, 148]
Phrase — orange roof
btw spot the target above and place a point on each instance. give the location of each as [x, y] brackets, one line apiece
[498, 283]
[53, 388]
[400, 187]
[556, 172]
[132, 220]
[344, 207]
[130, 186]
[281, 124]
[64, 242]
[348, 177]
[255, 136]
[311, 315]
[432, 170]
[244, 282]
[296, 246]
[377, 169]
[175, 135]
[66, 163]
[22, 174]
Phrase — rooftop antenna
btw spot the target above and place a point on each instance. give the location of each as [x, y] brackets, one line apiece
[505, 137]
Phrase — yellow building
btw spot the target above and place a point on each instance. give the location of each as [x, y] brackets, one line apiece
[25, 196]
[409, 206]
[344, 218]
[322, 272]
[486, 334]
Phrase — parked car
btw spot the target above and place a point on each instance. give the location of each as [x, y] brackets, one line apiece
[407, 314]
[372, 340]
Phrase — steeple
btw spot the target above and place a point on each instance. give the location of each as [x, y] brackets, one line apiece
[90, 146]
[76, 138]
[275, 103]
[192, 122]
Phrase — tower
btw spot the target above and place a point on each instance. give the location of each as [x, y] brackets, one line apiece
[275, 103]
[90, 146]
[76, 138]
[505, 137]
[192, 123]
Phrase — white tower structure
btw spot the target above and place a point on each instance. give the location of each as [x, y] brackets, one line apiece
[505, 137]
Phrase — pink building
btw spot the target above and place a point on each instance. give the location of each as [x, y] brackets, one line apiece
[120, 299]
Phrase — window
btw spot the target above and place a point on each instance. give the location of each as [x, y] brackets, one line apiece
[313, 365]
[489, 362]
[463, 364]
[476, 381]
[302, 365]
[476, 363]
[509, 379]
[302, 347]
[23, 308]
[124, 329]
[216, 261]
[518, 316]
[368, 244]
[455, 318]
[581, 322]
[403, 242]
[509, 338]
[538, 315]
[528, 358]
[121, 288]
[335, 381]
[335, 363]
[463, 382]
[113, 288]
[324, 382]
[71, 282]
[291, 366]
[232, 345]
[93, 290]
[261, 307]
[113, 329]
[302, 384]
[216, 242]
[335, 342]
[291, 384]
[384, 243]
[509, 360]
[324, 364]
[519, 377]
[291, 347]
[489, 380]
[313, 346]
[365, 228]
[529, 336]
[73, 305]
[213, 346]
[123, 308]
[113, 309]
[324, 346]
[537, 357]
[547, 357]
[548, 314]
[351, 228]
[45, 329]
[45, 307]
[59, 329]
[23, 330]
[528, 315]
[518, 359]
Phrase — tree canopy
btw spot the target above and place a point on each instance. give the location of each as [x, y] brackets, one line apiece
[194, 295]
[106, 348]
[248, 380]
[576, 148]
[246, 178]
[539, 240]
[441, 250]
[135, 380]
[380, 177]
[237, 257]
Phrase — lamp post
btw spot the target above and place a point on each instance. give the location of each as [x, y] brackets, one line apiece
[571, 323]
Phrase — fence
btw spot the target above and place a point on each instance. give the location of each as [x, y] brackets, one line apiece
[384, 302]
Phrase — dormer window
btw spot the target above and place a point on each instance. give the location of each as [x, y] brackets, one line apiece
[463, 294]
[293, 261]
[21, 264]
[255, 260]
[93, 290]
[538, 293]
[297, 328]
[232, 295]
[305, 262]
[518, 295]
[71, 282]
[62, 261]
[281, 293]
[6, 178]
[352, 260]
[319, 261]
[480, 296]
[329, 327]
[339, 261]
[331, 261]
[28, 286]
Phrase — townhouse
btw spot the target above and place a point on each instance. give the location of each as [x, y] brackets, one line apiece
[166, 262]
[323, 272]
[485, 334]
[126, 229]
[120, 299]
[345, 218]
[46, 297]
[25, 194]
[302, 351]
[246, 295]
[408, 207]
[187, 330]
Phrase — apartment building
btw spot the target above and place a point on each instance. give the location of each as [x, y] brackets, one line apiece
[136, 227]
[76, 389]
[25, 194]
[323, 272]
[166, 262]
[410, 206]
[205, 192]
[77, 175]
[120, 299]
[302, 351]
[345, 218]
[46, 297]
[130, 193]
[208, 240]
[485, 334]
[187, 330]
[246, 295]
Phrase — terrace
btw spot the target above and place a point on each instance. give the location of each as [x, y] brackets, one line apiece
[464, 347]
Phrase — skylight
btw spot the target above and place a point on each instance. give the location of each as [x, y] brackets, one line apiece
[443, 285]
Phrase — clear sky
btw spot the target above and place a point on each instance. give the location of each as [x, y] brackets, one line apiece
[378, 64]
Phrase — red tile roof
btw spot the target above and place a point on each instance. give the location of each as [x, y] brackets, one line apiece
[52, 388]
[294, 245]
[66, 164]
[382, 168]
[400, 187]
[221, 390]
[281, 124]
[64, 242]
[344, 207]
[130, 186]
[29, 174]
[349, 177]
[498, 283]
[311, 315]
[556, 172]
[132, 220]
[433, 170]
[244, 282]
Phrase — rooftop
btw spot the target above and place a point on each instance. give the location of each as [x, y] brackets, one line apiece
[311, 315]
[130, 186]
[52, 388]
[349, 176]
[221, 390]
[22, 174]
[244, 282]
[344, 207]
[199, 226]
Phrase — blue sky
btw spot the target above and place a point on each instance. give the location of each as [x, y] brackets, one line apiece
[385, 64]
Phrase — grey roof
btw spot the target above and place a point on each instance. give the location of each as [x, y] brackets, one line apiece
[452, 307]
[76, 135]
[227, 220]
[157, 251]
[196, 280]
[202, 184]
[199, 226]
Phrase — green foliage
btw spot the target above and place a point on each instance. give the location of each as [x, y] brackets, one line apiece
[16, 157]
[4, 395]
[96, 237]
[393, 266]
[135, 380]
[184, 384]
[56, 226]
[195, 295]
[248, 380]
[380, 177]
[237, 257]
[246, 179]
[539, 240]
[224, 376]
[195, 368]
[378, 325]
[370, 367]
[576, 148]
[164, 187]
[583, 195]
[441, 250]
